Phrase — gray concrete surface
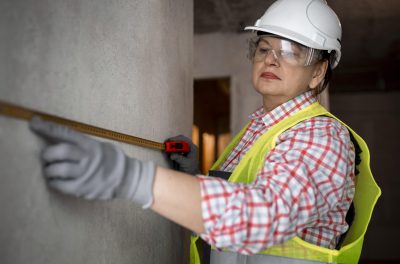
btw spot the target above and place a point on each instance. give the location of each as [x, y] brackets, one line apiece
[122, 65]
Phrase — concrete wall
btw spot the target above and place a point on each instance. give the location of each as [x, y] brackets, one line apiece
[225, 55]
[122, 65]
[375, 116]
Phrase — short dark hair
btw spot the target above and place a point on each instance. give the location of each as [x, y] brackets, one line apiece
[326, 56]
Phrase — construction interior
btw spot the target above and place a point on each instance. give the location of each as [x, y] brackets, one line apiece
[156, 69]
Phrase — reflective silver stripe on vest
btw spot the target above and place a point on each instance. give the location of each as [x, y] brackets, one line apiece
[223, 257]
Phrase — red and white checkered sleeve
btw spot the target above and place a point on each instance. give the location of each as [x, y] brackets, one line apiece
[303, 178]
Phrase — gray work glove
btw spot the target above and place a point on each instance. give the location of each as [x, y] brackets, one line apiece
[76, 164]
[188, 163]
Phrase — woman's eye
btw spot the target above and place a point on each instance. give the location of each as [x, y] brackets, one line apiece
[263, 50]
[289, 54]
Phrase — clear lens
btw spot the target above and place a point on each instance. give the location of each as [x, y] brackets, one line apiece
[284, 50]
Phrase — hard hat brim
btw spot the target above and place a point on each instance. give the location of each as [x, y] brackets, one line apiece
[286, 34]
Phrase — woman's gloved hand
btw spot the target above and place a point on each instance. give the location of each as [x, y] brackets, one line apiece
[188, 163]
[76, 164]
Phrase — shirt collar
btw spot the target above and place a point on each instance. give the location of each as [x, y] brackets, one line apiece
[284, 110]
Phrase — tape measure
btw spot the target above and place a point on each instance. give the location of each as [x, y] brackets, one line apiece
[19, 112]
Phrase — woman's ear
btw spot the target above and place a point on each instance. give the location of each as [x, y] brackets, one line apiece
[318, 74]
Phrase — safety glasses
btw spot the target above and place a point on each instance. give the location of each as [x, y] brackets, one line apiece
[283, 51]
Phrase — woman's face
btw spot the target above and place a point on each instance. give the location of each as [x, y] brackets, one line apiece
[279, 74]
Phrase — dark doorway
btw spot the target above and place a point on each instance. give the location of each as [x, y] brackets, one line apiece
[211, 128]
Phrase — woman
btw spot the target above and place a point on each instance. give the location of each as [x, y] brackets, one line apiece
[292, 167]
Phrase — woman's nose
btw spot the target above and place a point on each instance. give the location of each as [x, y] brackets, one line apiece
[271, 58]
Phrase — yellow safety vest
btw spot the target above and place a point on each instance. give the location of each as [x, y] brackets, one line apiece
[366, 194]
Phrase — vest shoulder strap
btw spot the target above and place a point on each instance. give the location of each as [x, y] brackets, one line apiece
[251, 162]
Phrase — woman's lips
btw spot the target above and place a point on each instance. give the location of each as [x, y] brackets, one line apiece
[269, 76]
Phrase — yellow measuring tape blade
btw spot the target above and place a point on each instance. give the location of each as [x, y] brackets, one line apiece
[15, 111]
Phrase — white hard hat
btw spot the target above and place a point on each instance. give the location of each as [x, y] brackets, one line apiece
[311, 23]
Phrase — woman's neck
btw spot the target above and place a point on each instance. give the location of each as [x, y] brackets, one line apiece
[270, 103]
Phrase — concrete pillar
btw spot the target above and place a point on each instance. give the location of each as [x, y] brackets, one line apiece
[123, 65]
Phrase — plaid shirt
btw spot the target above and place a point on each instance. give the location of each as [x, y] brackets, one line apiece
[304, 189]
